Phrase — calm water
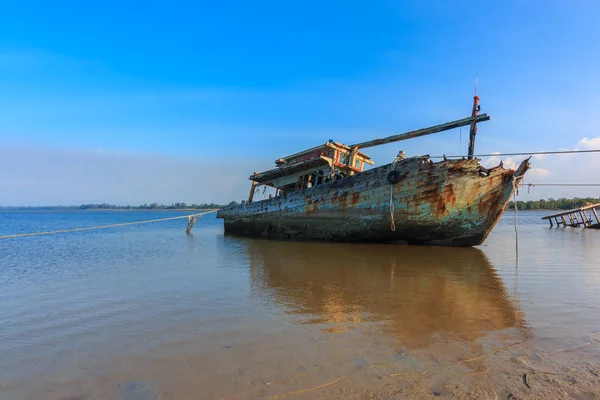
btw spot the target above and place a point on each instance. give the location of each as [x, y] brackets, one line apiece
[146, 312]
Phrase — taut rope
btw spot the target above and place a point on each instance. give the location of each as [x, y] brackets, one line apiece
[89, 228]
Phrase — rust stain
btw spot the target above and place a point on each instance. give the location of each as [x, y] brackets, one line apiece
[334, 198]
[342, 201]
[441, 206]
[403, 176]
[450, 196]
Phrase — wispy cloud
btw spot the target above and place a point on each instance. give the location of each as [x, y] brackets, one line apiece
[56, 176]
[582, 168]
[588, 143]
[560, 169]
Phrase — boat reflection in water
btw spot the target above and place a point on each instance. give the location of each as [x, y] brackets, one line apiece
[410, 292]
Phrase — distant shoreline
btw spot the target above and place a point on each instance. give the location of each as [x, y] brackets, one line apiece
[33, 209]
[508, 209]
[181, 206]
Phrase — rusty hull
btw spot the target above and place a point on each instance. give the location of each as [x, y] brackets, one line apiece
[453, 202]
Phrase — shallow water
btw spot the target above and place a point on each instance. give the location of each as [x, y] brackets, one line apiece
[146, 312]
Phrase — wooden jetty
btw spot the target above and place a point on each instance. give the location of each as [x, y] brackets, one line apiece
[586, 216]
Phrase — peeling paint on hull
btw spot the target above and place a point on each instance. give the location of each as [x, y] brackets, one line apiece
[447, 203]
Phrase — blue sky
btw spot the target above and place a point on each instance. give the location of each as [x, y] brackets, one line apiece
[194, 88]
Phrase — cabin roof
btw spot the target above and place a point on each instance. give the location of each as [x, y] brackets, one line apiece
[329, 144]
[278, 172]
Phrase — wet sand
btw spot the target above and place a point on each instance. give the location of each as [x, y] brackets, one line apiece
[154, 315]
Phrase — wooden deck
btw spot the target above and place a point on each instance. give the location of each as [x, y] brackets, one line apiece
[586, 216]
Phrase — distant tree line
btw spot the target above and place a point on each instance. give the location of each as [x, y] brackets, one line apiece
[554, 204]
[104, 206]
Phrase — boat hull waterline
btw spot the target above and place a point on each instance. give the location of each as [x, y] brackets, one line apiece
[452, 202]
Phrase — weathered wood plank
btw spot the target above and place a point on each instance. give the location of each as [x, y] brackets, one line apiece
[423, 132]
[251, 195]
[596, 214]
[584, 219]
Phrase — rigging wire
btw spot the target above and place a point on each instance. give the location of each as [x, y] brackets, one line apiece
[531, 153]
[560, 184]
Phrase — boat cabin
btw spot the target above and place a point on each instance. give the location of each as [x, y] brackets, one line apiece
[334, 160]
[311, 167]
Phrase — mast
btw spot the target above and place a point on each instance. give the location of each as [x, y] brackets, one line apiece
[473, 130]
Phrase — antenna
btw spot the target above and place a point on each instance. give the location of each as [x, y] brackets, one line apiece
[476, 82]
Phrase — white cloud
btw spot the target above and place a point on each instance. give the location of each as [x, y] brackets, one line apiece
[508, 162]
[538, 172]
[566, 168]
[559, 169]
[588, 144]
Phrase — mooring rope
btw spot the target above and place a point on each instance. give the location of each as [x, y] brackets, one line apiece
[393, 227]
[89, 228]
[515, 194]
[393, 223]
[560, 184]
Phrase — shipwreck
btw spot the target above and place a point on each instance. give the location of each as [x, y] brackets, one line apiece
[327, 193]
